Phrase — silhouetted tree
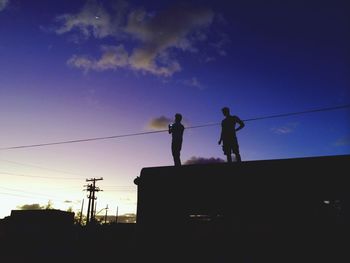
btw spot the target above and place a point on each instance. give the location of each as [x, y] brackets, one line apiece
[49, 205]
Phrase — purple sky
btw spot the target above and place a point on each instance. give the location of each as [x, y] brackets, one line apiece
[80, 69]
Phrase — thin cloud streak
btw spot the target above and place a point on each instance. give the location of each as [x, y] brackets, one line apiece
[289, 128]
[203, 160]
[344, 141]
[193, 82]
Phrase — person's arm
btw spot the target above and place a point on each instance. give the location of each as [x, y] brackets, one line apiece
[240, 123]
[220, 140]
[170, 128]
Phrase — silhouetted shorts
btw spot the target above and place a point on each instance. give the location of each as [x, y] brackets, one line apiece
[230, 146]
[176, 148]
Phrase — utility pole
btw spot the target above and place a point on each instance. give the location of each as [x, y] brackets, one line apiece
[81, 212]
[95, 210]
[91, 188]
[116, 216]
[106, 214]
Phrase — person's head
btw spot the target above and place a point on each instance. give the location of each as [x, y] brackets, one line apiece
[225, 111]
[178, 117]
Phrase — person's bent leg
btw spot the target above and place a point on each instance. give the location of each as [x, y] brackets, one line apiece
[236, 152]
[238, 157]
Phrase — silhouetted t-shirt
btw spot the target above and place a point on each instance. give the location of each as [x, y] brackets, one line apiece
[228, 126]
[177, 130]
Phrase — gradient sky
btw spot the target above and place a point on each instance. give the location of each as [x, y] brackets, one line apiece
[81, 69]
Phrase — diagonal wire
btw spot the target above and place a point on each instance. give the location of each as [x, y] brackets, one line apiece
[160, 131]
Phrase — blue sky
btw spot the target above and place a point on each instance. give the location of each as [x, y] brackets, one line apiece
[81, 69]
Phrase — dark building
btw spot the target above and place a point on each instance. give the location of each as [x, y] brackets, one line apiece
[37, 234]
[40, 223]
[256, 205]
[272, 191]
[47, 217]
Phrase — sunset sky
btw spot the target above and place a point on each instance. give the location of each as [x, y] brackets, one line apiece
[83, 69]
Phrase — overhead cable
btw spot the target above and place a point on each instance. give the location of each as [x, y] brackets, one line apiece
[160, 131]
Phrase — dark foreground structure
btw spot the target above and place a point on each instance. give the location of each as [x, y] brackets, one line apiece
[291, 210]
[52, 236]
[36, 234]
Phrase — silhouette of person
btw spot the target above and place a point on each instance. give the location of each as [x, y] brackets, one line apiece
[176, 130]
[228, 135]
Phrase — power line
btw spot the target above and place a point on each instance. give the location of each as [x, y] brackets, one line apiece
[41, 177]
[30, 193]
[80, 140]
[29, 196]
[276, 116]
[37, 166]
[299, 112]
[26, 196]
[160, 131]
[120, 186]
[120, 190]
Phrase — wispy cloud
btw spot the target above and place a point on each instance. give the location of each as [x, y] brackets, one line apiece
[112, 57]
[288, 128]
[193, 82]
[159, 123]
[156, 37]
[91, 98]
[30, 207]
[171, 29]
[3, 4]
[344, 141]
[202, 160]
[93, 20]
[282, 130]
[220, 45]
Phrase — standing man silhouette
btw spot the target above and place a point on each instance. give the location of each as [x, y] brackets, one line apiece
[176, 130]
[228, 135]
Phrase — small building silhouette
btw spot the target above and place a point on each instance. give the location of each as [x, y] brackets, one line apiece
[39, 234]
[49, 217]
